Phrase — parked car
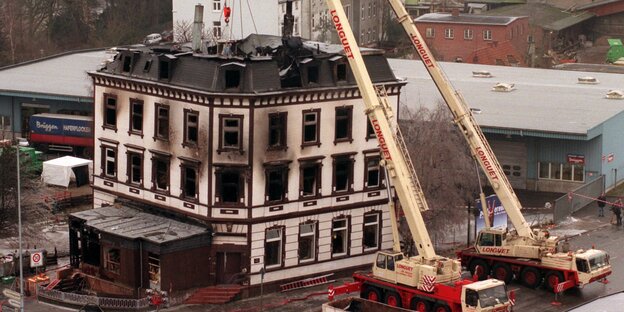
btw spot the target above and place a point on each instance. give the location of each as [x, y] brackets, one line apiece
[152, 39]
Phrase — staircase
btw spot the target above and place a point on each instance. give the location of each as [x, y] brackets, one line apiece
[214, 294]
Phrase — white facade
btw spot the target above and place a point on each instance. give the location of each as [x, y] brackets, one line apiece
[247, 17]
[252, 227]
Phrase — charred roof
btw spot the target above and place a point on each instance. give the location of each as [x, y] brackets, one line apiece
[258, 63]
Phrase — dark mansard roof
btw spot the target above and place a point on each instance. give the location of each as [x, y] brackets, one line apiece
[256, 64]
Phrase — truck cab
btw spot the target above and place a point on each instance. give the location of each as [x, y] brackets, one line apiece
[486, 296]
[591, 265]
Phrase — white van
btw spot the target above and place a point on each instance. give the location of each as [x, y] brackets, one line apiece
[152, 39]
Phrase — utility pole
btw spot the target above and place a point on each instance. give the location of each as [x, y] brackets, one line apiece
[19, 230]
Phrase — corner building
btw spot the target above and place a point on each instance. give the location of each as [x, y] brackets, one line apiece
[263, 141]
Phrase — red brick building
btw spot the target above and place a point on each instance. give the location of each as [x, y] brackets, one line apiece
[491, 40]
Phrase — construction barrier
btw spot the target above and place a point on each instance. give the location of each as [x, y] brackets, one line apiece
[308, 282]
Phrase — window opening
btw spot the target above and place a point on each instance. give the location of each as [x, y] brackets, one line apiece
[232, 79]
[310, 127]
[371, 231]
[153, 262]
[307, 241]
[313, 74]
[164, 70]
[231, 187]
[110, 162]
[273, 247]
[162, 122]
[127, 61]
[277, 183]
[343, 124]
[231, 133]
[277, 130]
[191, 127]
[373, 178]
[310, 181]
[341, 72]
[136, 168]
[110, 115]
[189, 181]
[339, 237]
[137, 116]
[112, 261]
[161, 173]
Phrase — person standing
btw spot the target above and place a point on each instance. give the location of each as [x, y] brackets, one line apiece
[602, 201]
[617, 211]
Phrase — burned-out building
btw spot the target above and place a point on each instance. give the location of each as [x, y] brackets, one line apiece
[262, 142]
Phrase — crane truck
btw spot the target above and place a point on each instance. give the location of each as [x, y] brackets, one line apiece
[532, 255]
[426, 282]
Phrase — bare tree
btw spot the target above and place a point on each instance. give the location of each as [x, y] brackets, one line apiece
[183, 31]
[444, 166]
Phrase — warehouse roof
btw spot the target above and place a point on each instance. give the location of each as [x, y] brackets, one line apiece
[63, 75]
[547, 103]
[465, 19]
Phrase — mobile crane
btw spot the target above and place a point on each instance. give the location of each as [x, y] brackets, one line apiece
[530, 254]
[427, 282]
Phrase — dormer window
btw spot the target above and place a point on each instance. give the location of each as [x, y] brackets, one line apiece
[340, 68]
[341, 72]
[127, 62]
[164, 70]
[165, 66]
[232, 75]
[147, 66]
[232, 78]
[313, 74]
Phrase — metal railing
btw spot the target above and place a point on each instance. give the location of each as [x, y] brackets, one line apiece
[569, 203]
[103, 302]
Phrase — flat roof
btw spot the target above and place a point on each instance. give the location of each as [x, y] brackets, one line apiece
[62, 75]
[544, 100]
[466, 19]
[131, 223]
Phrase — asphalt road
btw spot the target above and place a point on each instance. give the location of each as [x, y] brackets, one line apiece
[601, 234]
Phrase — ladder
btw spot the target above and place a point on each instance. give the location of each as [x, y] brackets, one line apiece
[308, 282]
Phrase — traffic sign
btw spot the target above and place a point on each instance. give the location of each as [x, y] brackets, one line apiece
[15, 303]
[11, 294]
[36, 259]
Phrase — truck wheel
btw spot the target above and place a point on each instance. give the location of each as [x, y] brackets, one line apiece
[502, 271]
[371, 293]
[393, 299]
[552, 278]
[480, 268]
[530, 277]
[440, 307]
[419, 305]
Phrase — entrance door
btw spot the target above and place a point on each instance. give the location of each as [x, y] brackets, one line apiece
[512, 156]
[228, 264]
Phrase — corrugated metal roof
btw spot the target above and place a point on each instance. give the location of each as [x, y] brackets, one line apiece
[569, 21]
[465, 19]
[539, 13]
[132, 223]
[550, 102]
[64, 76]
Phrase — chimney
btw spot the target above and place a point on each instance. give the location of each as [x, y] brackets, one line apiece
[455, 12]
[197, 27]
[289, 21]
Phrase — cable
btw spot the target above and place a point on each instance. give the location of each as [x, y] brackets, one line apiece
[252, 17]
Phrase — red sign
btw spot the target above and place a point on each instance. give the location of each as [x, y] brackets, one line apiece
[576, 159]
[610, 157]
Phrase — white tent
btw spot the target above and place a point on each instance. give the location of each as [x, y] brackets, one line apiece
[60, 171]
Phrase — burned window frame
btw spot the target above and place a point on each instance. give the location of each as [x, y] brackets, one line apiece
[282, 169]
[187, 142]
[314, 162]
[108, 107]
[222, 133]
[340, 121]
[166, 159]
[317, 130]
[130, 153]
[191, 164]
[282, 244]
[337, 159]
[380, 172]
[370, 131]
[220, 170]
[229, 68]
[278, 130]
[158, 120]
[132, 126]
[110, 265]
[104, 159]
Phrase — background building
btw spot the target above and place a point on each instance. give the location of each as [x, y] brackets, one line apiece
[549, 132]
[492, 40]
